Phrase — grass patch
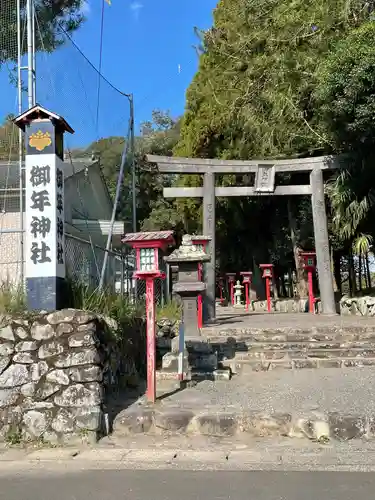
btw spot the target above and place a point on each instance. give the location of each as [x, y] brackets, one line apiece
[12, 298]
[172, 311]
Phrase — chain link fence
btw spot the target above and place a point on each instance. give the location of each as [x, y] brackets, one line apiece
[68, 84]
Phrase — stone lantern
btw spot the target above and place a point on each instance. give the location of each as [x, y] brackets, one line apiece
[188, 258]
[193, 356]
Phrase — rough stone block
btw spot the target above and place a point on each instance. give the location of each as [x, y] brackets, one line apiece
[42, 331]
[217, 424]
[14, 376]
[134, 421]
[6, 333]
[173, 420]
[346, 427]
[79, 395]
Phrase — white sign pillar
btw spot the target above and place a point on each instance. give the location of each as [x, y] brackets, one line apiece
[45, 270]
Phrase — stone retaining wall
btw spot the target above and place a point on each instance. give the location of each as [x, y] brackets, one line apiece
[358, 306]
[56, 371]
[284, 305]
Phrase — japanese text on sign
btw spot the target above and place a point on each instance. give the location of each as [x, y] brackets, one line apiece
[45, 243]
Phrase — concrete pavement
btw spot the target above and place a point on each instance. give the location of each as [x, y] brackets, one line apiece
[188, 485]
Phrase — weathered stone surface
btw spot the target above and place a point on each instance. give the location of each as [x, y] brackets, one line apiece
[86, 357]
[63, 316]
[46, 390]
[41, 331]
[14, 376]
[30, 404]
[6, 333]
[37, 370]
[82, 339]
[79, 395]
[36, 422]
[6, 349]
[58, 377]
[28, 390]
[25, 358]
[63, 329]
[11, 415]
[70, 315]
[21, 333]
[217, 424]
[133, 421]
[88, 418]
[344, 427]
[63, 422]
[173, 420]
[86, 374]
[8, 397]
[53, 348]
[26, 346]
[4, 363]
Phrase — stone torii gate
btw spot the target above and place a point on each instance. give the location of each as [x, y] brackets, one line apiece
[265, 172]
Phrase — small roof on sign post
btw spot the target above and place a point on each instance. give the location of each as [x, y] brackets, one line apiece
[37, 112]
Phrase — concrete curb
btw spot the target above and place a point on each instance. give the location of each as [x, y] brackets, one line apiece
[321, 427]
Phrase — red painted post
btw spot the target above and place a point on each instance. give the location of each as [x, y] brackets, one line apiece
[148, 247]
[151, 347]
[311, 291]
[267, 274]
[231, 277]
[247, 283]
[309, 264]
[268, 294]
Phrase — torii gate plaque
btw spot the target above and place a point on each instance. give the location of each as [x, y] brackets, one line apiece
[265, 171]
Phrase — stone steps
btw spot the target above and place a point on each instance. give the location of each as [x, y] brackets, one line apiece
[259, 365]
[300, 352]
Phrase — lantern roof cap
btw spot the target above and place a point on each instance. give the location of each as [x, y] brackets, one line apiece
[187, 252]
[166, 236]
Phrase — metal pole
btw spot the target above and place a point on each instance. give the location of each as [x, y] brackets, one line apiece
[33, 50]
[20, 136]
[114, 210]
[30, 72]
[134, 198]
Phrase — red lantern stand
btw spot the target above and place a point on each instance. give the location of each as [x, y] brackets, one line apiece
[149, 248]
[246, 281]
[202, 243]
[231, 278]
[309, 263]
[267, 274]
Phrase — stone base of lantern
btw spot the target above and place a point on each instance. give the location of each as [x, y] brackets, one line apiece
[199, 358]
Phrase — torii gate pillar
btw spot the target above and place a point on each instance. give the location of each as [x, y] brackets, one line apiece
[209, 305]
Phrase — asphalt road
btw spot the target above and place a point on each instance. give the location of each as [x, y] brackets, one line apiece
[187, 485]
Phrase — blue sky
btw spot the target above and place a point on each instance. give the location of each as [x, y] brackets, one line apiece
[147, 50]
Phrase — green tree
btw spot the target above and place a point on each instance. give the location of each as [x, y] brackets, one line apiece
[157, 136]
[51, 15]
[253, 97]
